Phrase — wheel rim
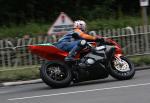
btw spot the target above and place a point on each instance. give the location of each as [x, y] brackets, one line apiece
[121, 65]
[56, 72]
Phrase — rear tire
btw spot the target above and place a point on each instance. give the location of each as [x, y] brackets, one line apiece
[55, 74]
[124, 72]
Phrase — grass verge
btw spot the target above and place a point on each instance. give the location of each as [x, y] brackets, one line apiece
[16, 74]
[140, 61]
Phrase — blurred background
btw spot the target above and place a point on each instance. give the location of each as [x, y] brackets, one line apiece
[33, 17]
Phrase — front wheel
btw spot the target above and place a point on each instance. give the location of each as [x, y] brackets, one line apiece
[121, 68]
[55, 74]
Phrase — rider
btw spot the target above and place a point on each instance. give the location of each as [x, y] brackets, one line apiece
[74, 41]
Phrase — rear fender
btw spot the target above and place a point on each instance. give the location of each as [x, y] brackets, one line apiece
[49, 52]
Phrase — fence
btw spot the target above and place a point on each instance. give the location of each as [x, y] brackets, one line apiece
[14, 53]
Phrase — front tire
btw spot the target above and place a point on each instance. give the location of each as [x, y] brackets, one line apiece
[123, 70]
[55, 74]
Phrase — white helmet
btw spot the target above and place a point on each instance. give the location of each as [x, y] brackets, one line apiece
[80, 24]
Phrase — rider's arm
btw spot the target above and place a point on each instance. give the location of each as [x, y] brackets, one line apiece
[85, 36]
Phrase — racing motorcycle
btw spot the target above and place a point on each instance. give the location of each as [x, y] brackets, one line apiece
[95, 61]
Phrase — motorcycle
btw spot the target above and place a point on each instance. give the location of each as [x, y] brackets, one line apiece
[95, 61]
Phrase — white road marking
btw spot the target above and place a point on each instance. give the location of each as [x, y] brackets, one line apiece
[75, 92]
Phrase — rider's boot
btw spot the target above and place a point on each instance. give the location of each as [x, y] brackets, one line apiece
[75, 50]
[72, 53]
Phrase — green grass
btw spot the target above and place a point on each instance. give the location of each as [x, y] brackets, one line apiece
[18, 73]
[141, 60]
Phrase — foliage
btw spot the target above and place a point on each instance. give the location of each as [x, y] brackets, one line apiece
[100, 24]
[31, 29]
[20, 17]
[34, 29]
[24, 11]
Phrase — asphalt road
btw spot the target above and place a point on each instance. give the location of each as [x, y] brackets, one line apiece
[108, 90]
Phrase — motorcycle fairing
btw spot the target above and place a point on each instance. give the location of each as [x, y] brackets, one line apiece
[48, 51]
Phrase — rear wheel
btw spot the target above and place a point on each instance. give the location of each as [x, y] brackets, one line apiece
[55, 74]
[121, 68]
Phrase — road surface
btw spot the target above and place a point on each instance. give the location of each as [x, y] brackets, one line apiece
[107, 90]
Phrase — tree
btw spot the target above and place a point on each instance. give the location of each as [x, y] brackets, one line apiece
[22, 11]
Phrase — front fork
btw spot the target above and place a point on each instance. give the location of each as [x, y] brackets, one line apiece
[118, 61]
[116, 55]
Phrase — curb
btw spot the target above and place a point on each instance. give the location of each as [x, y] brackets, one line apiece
[20, 82]
[142, 68]
[40, 80]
